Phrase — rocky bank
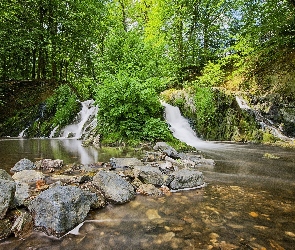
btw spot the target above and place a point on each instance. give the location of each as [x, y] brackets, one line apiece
[54, 198]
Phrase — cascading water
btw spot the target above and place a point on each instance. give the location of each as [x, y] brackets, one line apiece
[85, 122]
[181, 128]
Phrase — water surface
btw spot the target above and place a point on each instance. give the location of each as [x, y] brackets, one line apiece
[248, 203]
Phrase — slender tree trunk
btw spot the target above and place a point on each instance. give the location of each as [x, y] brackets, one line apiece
[124, 17]
[34, 64]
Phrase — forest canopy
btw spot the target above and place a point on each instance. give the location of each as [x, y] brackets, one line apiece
[96, 46]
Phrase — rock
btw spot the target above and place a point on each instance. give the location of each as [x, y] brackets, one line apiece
[149, 189]
[152, 214]
[59, 209]
[23, 225]
[186, 178]
[71, 179]
[23, 164]
[125, 162]
[114, 187]
[28, 176]
[7, 190]
[22, 193]
[101, 201]
[168, 150]
[152, 175]
[5, 228]
[47, 164]
[5, 176]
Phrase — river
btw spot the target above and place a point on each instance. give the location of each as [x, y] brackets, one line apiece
[248, 202]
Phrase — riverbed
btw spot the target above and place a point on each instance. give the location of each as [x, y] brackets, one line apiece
[248, 202]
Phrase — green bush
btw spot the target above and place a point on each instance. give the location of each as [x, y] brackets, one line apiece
[130, 109]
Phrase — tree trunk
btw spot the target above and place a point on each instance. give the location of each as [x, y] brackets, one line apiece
[34, 64]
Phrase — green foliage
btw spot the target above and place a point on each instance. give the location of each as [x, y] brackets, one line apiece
[129, 109]
[63, 106]
[212, 75]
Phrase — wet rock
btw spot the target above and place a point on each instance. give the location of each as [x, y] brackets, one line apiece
[149, 189]
[59, 209]
[22, 193]
[114, 187]
[152, 175]
[186, 178]
[168, 150]
[5, 228]
[124, 162]
[28, 176]
[7, 190]
[47, 164]
[23, 225]
[23, 164]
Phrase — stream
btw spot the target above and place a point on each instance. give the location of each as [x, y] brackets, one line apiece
[248, 202]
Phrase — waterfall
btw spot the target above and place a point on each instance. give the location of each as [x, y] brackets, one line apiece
[22, 133]
[84, 122]
[181, 128]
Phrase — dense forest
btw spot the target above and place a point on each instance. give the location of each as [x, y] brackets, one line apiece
[124, 54]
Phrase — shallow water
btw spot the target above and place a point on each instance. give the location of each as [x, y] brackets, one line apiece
[248, 203]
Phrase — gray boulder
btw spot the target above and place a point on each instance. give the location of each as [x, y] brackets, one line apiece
[59, 209]
[186, 178]
[7, 190]
[152, 175]
[48, 164]
[114, 187]
[168, 150]
[22, 193]
[124, 162]
[28, 176]
[23, 164]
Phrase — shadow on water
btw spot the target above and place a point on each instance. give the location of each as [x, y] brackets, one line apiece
[248, 203]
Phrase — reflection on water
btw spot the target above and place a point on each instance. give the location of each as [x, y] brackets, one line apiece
[249, 203]
[68, 150]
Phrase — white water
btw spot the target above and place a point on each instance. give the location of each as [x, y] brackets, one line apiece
[85, 121]
[21, 134]
[181, 128]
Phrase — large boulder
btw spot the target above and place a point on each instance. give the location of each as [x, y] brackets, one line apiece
[28, 176]
[152, 175]
[59, 209]
[114, 187]
[23, 164]
[7, 190]
[186, 178]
